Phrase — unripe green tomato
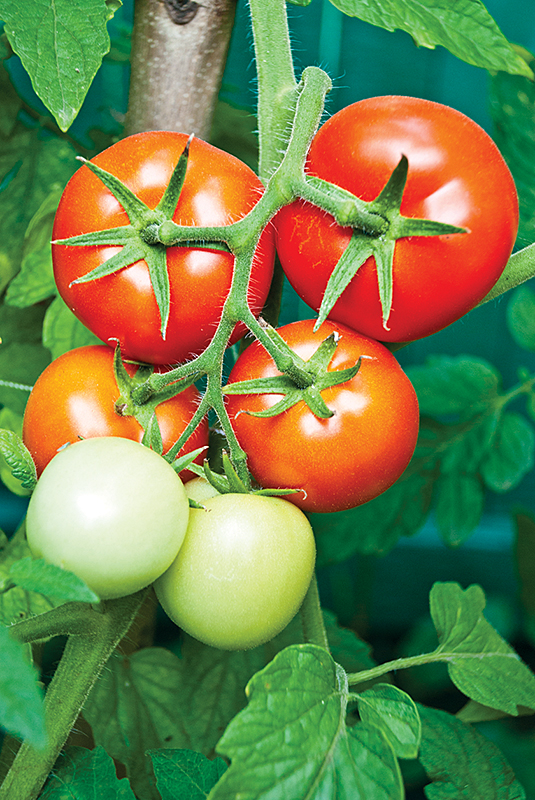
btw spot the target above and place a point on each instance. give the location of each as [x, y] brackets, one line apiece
[242, 572]
[110, 510]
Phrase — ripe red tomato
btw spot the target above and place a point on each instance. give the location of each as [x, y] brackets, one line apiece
[74, 399]
[343, 461]
[218, 189]
[456, 175]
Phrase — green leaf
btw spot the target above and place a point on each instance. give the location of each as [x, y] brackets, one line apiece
[18, 459]
[20, 366]
[9, 421]
[512, 106]
[465, 28]
[21, 697]
[62, 331]
[462, 763]
[300, 699]
[61, 46]
[35, 281]
[454, 384]
[375, 527]
[395, 714]
[35, 575]
[17, 603]
[21, 324]
[459, 505]
[81, 774]
[521, 314]
[42, 163]
[184, 774]
[480, 663]
[10, 103]
[511, 454]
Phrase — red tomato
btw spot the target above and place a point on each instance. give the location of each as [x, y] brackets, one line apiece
[74, 399]
[456, 175]
[218, 189]
[342, 461]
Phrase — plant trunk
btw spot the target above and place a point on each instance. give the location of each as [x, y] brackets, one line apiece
[179, 50]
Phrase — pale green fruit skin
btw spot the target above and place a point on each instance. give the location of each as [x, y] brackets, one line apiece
[110, 510]
[242, 572]
[200, 489]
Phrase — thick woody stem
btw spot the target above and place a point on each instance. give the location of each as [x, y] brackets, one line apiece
[178, 56]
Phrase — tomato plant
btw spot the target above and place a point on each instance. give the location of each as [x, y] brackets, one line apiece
[110, 510]
[75, 398]
[456, 175]
[242, 572]
[218, 189]
[338, 462]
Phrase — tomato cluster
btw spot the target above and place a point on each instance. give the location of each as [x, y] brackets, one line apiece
[337, 425]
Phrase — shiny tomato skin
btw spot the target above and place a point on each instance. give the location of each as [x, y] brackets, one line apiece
[456, 175]
[218, 189]
[343, 461]
[74, 399]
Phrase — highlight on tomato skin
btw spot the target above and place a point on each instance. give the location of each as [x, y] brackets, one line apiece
[456, 175]
[218, 189]
[343, 461]
[74, 398]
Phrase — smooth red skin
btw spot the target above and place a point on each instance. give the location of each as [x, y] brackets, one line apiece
[456, 175]
[74, 399]
[218, 189]
[343, 461]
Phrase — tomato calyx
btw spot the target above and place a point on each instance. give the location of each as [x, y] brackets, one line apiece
[380, 245]
[230, 482]
[127, 404]
[140, 239]
[320, 379]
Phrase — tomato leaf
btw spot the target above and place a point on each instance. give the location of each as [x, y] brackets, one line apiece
[459, 505]
[480, 663]
[61, 47]
[395, 714]
[301, 697]
[511, 456]
[185, 774]
[62, 331]
[35, 575]
[454, 385]
[21, 363]
[18, 458]
[86, 773]
[17, 603]
[461, 762]
[465, 28]
[11, 422]
[21, 697]
[512, 106]
[521, 317]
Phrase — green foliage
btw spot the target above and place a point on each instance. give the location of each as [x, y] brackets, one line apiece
[464, 27]
[62, 331]
[61, 46]
[81, 774]
[513, 110]
[184, 774]
[35, 575]
[462, 763]
[21, 698]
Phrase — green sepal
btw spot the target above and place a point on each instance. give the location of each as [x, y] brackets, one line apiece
[235, 483]
[288, 401]
[152, 435]
[109, 236]
[219, 482]
[170, 198]
[359, 249]
[316, 403]
[156, 260]
[136, 210]
[186, 461]
[195, 504]
[277, 384]
[134, 250]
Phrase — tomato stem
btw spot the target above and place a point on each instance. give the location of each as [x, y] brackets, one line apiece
[312, 617]
[84, 657]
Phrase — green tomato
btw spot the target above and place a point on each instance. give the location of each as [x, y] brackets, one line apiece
[110, 510]
[242, 572]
